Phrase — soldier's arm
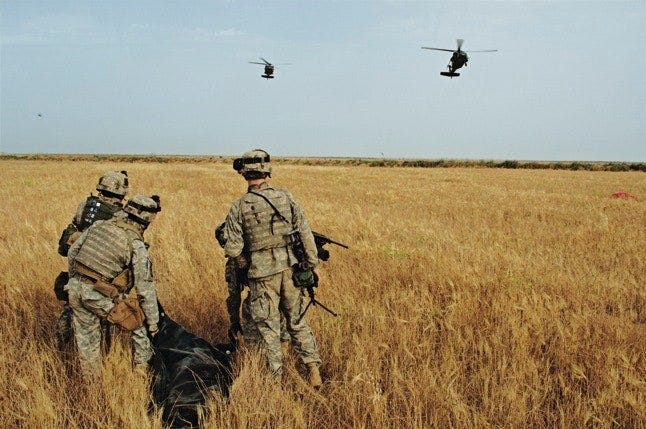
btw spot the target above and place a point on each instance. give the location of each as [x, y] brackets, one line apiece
[300, 222]
[144, 283]
[235, 292]
[233, 231]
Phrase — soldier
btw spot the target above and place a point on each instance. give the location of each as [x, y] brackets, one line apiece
[257, 229]
[112, 189]
[234, 301]
[105, 263]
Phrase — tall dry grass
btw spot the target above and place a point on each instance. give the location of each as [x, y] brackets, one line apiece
[472, 298]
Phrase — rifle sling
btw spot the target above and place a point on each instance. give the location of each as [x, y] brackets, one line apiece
[280, 215]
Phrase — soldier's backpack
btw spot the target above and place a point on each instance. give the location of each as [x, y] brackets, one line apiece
[95, 209]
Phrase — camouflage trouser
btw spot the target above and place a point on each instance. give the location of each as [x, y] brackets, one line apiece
[269, 297]
[65, 331]
[250, 333]
[88, 306]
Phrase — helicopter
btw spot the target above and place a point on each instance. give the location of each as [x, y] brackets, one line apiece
[458, 59]
[269, 68]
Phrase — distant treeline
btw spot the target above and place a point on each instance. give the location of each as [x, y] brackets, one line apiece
[371, 162]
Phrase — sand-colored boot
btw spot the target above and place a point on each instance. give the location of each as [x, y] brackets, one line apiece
[315, 375]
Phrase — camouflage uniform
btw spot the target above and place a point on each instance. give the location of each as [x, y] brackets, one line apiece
[107, 248]
[256, 238]
[112, 186]
[240, 310]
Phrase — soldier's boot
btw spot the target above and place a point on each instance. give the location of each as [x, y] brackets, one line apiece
[314, 375]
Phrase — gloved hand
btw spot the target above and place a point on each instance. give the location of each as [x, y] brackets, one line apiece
[234, 330]
[152, 330]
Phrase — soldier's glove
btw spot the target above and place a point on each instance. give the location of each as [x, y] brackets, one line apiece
[305, 278]
[234, 330]
[219, 235]
[152, 330]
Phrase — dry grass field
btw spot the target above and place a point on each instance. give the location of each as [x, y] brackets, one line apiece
[469, 298]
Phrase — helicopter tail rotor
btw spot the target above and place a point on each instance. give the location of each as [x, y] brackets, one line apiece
[460, 42]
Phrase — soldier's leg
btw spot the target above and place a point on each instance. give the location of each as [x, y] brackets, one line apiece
[87, 331]
[264, 300]
[292, 304]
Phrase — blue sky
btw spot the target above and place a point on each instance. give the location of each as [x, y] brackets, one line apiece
[173, 77]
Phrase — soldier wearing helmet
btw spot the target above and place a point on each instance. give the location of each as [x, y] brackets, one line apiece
[107, 261]
[112, 188]
[256, 230]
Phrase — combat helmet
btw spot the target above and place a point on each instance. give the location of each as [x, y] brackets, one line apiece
[256, 160]
[142, 208]
[113, 184]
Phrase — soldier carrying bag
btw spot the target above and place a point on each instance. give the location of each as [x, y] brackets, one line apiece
[127, 313]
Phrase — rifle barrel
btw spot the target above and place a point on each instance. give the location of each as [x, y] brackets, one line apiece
[325, 240]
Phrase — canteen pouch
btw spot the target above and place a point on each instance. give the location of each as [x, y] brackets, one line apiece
[127, 313]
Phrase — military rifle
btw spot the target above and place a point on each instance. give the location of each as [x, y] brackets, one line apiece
[304, 276]
[321, 240]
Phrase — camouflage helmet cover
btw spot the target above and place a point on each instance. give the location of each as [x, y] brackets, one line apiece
[143, 208]
[255, 160]
[113, 183]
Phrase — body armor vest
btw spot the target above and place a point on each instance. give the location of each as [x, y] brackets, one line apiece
[107, 250]
[96, 209]
[263, 227]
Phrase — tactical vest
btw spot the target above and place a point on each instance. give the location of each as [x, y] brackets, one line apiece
[96, 209]
[263, 227]
[107, 249]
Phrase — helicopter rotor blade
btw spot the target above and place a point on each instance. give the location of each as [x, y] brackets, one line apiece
[266, 62]
[460, 42]
[486, 50]
[438, 49]
[256, 62]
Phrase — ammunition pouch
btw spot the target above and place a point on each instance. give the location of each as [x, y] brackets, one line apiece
[127, 313]
[59, 286]
[123, 281]
[304, 278]
[68, 237]
[120, 284]
[106, 288]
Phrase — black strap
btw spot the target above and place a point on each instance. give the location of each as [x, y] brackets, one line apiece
[256, 160]
[280, 215]
[143, 208]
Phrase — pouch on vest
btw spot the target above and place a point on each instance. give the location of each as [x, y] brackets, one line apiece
[123, 282]
[106, 288]
[68, 236]
[127, 313]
